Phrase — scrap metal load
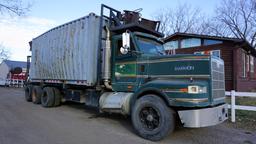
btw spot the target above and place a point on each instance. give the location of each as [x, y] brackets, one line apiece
[69, 53]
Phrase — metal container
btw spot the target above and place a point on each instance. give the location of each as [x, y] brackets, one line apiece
[67, 53]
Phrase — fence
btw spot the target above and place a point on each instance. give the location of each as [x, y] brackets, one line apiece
[14, 82]
[233, 105]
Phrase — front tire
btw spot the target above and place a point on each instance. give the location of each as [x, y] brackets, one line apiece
[151, 118]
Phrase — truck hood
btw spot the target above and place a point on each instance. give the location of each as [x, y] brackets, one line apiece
[176, 66]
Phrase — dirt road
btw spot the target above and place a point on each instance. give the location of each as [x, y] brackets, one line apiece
[26, 123]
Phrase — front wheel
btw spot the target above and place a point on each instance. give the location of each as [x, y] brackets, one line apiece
[152, 118]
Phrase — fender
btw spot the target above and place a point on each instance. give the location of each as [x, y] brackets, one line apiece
[156, 87]
[149, 88]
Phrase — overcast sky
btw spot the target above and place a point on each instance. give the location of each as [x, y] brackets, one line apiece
[16, 32]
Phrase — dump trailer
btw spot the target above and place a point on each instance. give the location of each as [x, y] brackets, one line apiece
[116, 62]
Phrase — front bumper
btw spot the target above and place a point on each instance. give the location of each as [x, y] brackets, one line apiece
[204, 117]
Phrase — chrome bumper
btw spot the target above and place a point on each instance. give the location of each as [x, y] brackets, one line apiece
[204, 117]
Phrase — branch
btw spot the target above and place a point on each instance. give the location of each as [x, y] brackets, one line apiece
[15, 7]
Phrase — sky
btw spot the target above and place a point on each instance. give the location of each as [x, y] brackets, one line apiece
[16, 32]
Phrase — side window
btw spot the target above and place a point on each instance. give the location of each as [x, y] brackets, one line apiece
[119, 45]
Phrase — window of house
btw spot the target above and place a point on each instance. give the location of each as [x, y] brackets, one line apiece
[216, 53]
[247, 63]
[201, 52]
[211, 42]
[251, 64]
[171, 45]
[213, 52]
[243, 64]
[190, 42]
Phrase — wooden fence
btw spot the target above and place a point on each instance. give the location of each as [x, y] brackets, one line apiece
[233, 105]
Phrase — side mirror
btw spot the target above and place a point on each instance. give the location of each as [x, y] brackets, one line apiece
[126, 43]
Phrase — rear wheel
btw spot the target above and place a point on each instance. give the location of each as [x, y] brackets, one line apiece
[47, 98]
[57, 97]
[152, 118]
[36, 94]
[28, 91]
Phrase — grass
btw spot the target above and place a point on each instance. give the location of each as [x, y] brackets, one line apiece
[244, 119]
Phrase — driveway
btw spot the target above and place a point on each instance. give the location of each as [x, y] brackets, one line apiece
[26, 123]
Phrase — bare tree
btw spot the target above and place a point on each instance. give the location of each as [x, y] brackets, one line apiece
[16, 7]
[4, 53]
[183, 18]
[239, 19]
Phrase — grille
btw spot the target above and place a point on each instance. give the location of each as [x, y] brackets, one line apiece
[218, 78]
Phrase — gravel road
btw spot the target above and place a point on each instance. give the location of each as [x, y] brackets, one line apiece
[26, 123]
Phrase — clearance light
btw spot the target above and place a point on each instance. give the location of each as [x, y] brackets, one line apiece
[196, 89]
[185, 90]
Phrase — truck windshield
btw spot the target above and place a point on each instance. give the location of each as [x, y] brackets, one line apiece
[151, 47]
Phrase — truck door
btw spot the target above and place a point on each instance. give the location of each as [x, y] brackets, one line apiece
[124, 68]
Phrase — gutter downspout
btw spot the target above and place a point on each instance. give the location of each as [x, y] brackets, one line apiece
[107, 61]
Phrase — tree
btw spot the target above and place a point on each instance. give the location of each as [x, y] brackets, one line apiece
[16, 7]
[4, 53]
[238, 17]
[183, 18]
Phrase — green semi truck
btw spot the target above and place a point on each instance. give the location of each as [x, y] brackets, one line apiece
[116, 62]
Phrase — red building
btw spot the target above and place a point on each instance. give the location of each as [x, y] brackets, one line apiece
[238, 55]
[12, 72]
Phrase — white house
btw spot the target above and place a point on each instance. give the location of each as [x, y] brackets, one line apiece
[6, 71]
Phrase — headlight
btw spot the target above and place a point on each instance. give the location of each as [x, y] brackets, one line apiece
[196, 89]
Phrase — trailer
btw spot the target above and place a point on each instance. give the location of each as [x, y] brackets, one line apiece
[116, 62]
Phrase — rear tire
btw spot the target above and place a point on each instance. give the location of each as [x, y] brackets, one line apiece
[47, 98]
[28, 91]
[152, 118]
[57, 97]
[36, 94]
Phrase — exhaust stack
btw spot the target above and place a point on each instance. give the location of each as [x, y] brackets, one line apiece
[106, 61]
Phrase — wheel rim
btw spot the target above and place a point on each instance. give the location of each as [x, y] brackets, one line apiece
[150, 118]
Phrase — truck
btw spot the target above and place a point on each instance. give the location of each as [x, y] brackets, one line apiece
[116, 63]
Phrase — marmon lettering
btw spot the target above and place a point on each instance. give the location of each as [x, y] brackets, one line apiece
[184, 68]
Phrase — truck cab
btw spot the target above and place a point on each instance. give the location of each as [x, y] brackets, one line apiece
[192, 86]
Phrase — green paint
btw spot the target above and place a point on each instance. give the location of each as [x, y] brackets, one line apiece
[128, 70]
[167, 74]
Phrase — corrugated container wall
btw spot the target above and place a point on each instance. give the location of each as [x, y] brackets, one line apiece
[68, 52]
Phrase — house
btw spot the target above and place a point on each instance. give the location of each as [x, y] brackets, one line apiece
[238, 55]
[12, 72]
